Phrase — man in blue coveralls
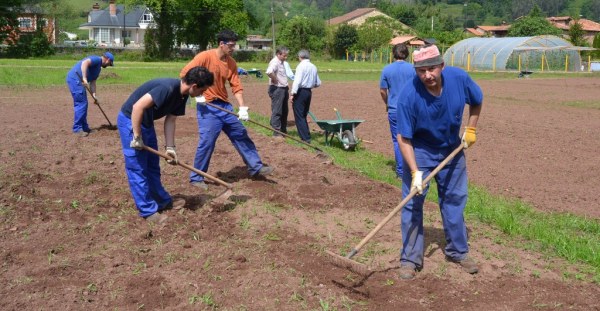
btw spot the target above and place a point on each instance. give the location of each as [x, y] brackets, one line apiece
[393, 78]
[89, 70]
[429, 120]
[153, 100]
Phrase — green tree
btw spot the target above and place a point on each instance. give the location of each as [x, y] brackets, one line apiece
[376, 32]
[576, 35]
[159, 40]
[301, 32]
[345, 37]
[533, 25]
[596, 45]
[8, 17]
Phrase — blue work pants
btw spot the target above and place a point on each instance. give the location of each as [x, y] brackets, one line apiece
[80, 105]
[211, 122]
[452, 193]
[143, 169]
[301, 107]
[397, 153]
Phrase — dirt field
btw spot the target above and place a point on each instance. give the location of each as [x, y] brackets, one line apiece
[71, 238]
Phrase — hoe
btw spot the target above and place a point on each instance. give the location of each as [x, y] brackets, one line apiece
[347, 262]
[220, 200]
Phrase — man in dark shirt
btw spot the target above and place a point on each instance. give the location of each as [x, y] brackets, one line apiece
[153, 100]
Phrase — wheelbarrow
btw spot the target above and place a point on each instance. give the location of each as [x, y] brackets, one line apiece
[342, 129]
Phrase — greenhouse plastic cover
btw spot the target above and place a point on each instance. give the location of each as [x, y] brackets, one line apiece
[482, 50]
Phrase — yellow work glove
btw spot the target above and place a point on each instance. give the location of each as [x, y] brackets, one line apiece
[417, 181]
[469, 137]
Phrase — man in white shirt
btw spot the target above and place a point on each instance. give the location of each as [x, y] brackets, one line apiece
[306, 78]
[278, 90]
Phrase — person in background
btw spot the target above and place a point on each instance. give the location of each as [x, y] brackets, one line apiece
[278, 90]
[151, 101]
[85, 72]
[212, 121]
[305, 80]
[430, 113]
[393, 78]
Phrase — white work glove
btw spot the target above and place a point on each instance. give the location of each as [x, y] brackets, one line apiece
[243, 114]
[173, 154]
[201, 100]
[417, 181]
[137, 143]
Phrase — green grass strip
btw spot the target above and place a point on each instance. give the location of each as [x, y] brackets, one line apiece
[574, 238]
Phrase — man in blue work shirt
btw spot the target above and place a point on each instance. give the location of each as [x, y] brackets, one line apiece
[306, 78]
[85, 72]
[430, 115]
[153, 100]
[393, 78]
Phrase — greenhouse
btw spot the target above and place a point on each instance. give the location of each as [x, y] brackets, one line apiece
[524, 54]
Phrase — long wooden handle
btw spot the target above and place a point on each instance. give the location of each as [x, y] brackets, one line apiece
[267, 127]
[405, 200]
[189, 167]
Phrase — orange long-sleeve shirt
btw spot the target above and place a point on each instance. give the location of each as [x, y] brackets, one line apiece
[222, 70]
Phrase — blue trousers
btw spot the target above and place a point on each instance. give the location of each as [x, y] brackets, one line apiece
[211, 122]
[301, 106]
[143, 170]
[80, 105]
[397, 153]
[452, 192]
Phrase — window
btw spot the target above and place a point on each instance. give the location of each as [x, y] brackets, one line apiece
[146, 18]
[25, 22]
[102, 35]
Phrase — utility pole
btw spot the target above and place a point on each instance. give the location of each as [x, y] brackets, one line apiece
[273, 25]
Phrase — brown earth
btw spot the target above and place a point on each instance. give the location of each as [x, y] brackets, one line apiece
[71, 238]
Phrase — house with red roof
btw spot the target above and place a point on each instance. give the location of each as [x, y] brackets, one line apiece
[590, 28]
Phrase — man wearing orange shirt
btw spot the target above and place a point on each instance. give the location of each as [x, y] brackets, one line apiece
[212, 121]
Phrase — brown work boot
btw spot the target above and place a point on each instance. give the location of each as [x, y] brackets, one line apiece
[157, 218]
[176, 204]
[407, 272]
[467, 264]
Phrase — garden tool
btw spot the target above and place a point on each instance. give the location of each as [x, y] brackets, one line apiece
[87, 87]
[362, 269]
[320, 152]
[221, 199]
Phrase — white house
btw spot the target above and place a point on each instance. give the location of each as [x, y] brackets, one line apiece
[109, 27]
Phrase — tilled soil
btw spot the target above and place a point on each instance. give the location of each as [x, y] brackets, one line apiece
[71, 238]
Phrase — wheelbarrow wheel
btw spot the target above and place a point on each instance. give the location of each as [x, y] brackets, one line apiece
[348, 140]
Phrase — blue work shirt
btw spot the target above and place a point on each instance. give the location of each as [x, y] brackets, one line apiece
[93, 70]
[393, 78]
[434, 122]
[167, 98]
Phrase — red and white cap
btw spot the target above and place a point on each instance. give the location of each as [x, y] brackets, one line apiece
[426, 56]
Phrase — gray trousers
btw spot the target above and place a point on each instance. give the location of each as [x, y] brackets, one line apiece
[279, 108]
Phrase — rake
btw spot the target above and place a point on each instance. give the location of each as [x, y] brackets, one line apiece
[221, 199]
[320, 152]
[362, 269]
[87, 87]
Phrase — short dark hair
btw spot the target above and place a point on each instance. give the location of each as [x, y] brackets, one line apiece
[400, 51]
[199, 76]
[226, 35]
